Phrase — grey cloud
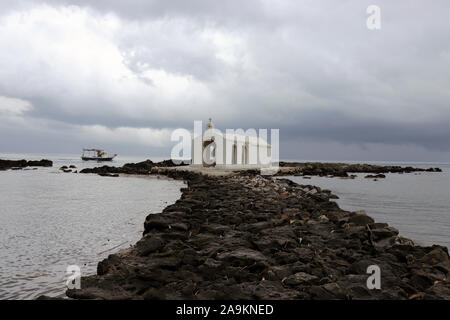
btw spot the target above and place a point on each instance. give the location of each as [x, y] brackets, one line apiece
[207, 11]
[310, 68]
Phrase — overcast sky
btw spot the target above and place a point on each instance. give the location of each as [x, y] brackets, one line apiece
[123, 74]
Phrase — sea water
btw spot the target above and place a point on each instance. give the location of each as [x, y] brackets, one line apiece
[418, 204]
[50, 220]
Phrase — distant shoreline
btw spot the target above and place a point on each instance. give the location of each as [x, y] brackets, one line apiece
[20, 164]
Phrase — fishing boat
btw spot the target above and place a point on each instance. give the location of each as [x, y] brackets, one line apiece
[96, 155]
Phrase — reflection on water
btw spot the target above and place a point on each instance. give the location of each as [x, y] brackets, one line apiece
[50, 219]
[416, 204]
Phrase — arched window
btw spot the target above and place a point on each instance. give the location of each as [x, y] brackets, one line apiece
[209, 153]
[234, 154]
[246, 151]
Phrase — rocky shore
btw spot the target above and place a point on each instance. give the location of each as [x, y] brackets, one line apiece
[244, 236]
[143, 167]
[286, 169]
[20, 164]
[342, 169]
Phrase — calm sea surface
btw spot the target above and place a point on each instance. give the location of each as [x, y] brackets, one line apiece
[418, 204]
[50, 219]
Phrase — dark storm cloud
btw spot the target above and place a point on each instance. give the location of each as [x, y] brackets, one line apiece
[310, 68]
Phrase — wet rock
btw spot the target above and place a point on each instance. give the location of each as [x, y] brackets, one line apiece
[359, 232]
[147, 245]
[114, 175]
[360, 219]
[156, 222]
[256, 227]
[375, 176]
[422, 280]
[382, 233]
[300, 278]
[242, 257]
[20, 164]
[180, 226]
[329, 291]
[106, 265]
[304, 254]
[436, 256]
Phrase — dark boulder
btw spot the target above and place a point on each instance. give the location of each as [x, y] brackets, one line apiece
[9, 164]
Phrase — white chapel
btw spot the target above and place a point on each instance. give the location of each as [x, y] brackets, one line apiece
[233, 149]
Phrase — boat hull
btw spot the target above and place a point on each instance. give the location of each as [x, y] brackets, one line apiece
[97, 159]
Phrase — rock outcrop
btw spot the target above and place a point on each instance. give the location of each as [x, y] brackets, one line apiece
[20, 164]
[143, 167]
[342, 169]
[375, 176]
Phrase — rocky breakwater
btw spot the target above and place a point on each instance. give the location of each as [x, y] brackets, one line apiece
[20, 164]
[253, 237]
[342, 169]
